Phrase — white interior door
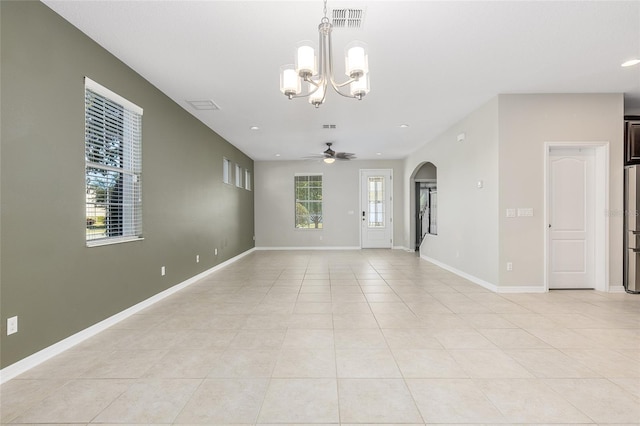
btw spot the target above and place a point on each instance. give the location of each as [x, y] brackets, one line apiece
[375, 205]
[571, 218]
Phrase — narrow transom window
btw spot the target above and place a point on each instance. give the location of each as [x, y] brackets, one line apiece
[113, 166]
[226, 170]
[308, 193]
[247, 180]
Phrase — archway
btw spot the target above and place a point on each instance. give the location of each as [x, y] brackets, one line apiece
[423, 204]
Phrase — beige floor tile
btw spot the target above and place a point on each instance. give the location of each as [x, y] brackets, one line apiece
[485, 321]
[184, 364]
[78, 401]
[300, 401]
[311, 321]
[222, 322]
[359, 339]
[366, 363]
[376, 401]
[258, 339]
[440, 321]
[389, 320]
[17, 395]
[564, 338]
[463, 339]
[409, 338]
[550, 363]
[150, 401]
[206, 340]
[219, 401]
[428, 363]
[479, 363]
[247, 363]
[453, 401]
[307, 362]
[513, 338]
[600, 399]
[607, 363]
[308, 338]
[350, 308]
[267, 322]
[123, 365]
[313, 308]
[350, 321]
[630, 385]
[530, 401]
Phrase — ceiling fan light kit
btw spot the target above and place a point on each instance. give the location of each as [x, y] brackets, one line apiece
[317, 70]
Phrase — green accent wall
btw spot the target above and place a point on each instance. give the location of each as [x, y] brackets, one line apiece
[48, 277]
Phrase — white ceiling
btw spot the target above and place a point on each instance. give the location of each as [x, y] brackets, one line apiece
[431, 63]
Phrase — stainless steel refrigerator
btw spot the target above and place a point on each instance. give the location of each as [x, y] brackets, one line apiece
[632, 229]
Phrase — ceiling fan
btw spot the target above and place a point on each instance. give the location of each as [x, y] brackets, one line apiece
[329, 155]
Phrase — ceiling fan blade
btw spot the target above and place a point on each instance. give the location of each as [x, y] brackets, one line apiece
[345, 156]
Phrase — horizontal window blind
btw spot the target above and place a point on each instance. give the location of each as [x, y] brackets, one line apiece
[113, 166]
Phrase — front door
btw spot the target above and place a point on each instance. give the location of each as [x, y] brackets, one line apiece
[375, 208]
[571, 218]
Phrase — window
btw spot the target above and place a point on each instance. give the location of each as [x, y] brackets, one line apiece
[376, 202]
[226, 170]
[238, 176]
[247, 180]
[113, 166]
[308, 193]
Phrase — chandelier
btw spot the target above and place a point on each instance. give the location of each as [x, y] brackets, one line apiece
[317, 70]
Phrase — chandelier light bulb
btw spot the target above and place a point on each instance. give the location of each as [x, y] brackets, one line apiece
[316, 98]
[306, 63]
[356, 59]
[360, 87]
[289, 81]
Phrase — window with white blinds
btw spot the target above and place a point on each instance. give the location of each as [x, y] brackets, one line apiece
[113, 166]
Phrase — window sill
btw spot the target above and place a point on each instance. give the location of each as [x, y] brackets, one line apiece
[110, 241]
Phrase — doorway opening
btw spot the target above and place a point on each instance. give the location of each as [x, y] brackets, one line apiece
[424, 203]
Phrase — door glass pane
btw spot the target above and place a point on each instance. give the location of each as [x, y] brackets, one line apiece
[376, 202]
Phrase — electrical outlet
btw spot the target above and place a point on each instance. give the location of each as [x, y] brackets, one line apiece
[197, 258]
[12, 325]
[163, 271]
[509, 266]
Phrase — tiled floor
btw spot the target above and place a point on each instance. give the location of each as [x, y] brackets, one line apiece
[349, 337]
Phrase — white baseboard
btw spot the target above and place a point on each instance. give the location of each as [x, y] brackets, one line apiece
[308, 248]
[486, 284]
[617, 289]
[521, 289]
[43, 355]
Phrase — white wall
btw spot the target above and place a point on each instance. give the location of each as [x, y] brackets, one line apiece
[274, 203]
[467, 237]
[526, 123]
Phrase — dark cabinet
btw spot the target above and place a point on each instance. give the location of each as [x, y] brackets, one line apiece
[632, 140]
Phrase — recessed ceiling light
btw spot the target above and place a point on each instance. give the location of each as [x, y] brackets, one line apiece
[630, 63]
[277, 155]
[254, 128]
[404, 126]
[378, 153]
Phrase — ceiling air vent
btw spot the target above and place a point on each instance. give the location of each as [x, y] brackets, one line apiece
[204, 105]
[347, 18]
[328, 126]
